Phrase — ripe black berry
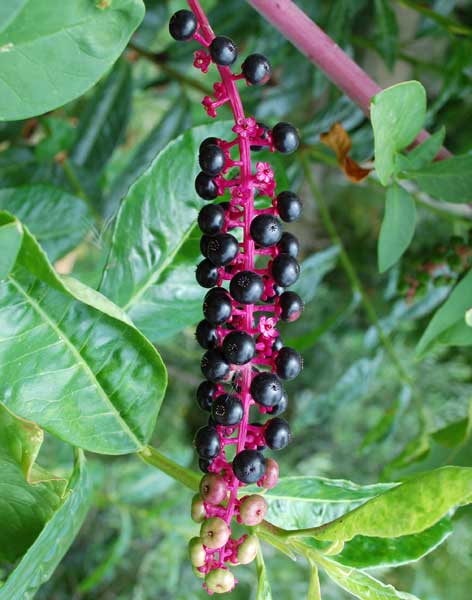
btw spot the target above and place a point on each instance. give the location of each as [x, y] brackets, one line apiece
[277, 433]
[214, 366]
[278, 344]
[266, 389]
[207, 273]
[285, 270]
[256, 69]
[249, 466]
[288, 244]
[182, 25]
[227, 410]
[280, 407]
[205, 187]
[238, 347]
[291, 306]
[246, 287]
[210, 141]
[211, 159]
[211, 219]
[263, 136]
[285, 138]
[223, 51]
[206, 335]
[289, 363]
[204, 241]
[205, 393]
[289, 206]
[266, 230]
[217, 308]
[204, 465]
[222, 249]
[207, 442]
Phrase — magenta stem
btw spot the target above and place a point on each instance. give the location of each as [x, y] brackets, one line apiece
[321, 50]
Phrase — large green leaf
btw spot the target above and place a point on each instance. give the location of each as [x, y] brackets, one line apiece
[398, 226]
[263, 586]
[57, 219]
[397, 115]
[53, 51]
[11, 236]
[154, 222]
[422, 154]
[41, 559]
[71, 361]
[449, 180]
[28, 494]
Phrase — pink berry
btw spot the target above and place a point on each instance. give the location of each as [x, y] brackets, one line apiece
[213, 489]
[252, 510]
[271, 476]
[214, 533]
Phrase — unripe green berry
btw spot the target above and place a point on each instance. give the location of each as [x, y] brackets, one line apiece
[252, 510]
[198, 510]
[214, 532]
[247, 550]
[196, 552]
[213, 488]
[219, 581]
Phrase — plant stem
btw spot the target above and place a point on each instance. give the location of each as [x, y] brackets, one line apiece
[169, 467]
[351, 272]
[321, 50]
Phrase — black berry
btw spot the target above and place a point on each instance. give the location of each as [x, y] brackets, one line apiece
[214, 366]
[223, 51]
[288, 244]
[289, 206]
[207, 274]
[266, 389]
[246, 287]
[207, 442]
[256, 69]
[285, 270]
[210, 141]
[204, 241]
[263, 126]
[249, 466]
[277, 433]
[211, 219]
[288, 363]
[211, 160]
[222, 249]
[238, 347]
[205, 187]
[206, 335]
[182, 25]
[205, 393]
[280, 407]
[227, 410]
[291, 306]
[217, 308]
[204, 465]
[266, 230]
[285, 138]
[278, 344]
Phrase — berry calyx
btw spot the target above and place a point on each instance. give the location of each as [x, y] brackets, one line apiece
[277, 433]
[213, 489]
[223, 51]
[289, 244]
[222, 249]
[182, 25]
[266, 230]
[266, 389]
[206, 274]
[249, 466]
[239, 347]
[227, 410]
[256, 69]
[285, 138]
[214, 532]
[206, 391]
[219, 581]
[205, 187]
[211, 219]
[291, 306]
[207, 442]
[288, 362]
[289, 206]
[211, 159]
[246, 287]
[214, 366]
[252, 510]
[285, 270]
[206, 335]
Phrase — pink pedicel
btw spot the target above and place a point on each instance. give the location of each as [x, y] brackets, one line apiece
[220, 487]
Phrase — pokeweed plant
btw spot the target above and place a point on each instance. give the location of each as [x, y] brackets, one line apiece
[77, 363]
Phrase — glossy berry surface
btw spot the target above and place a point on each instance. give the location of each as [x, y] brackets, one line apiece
[291, 306]
[289, 245]
[266, 230]
[211, 159]
[214, 366]
[277, 433]
[227, 410]
[204, 465]
[217, 308]
[205, 187]
[207, 274]
[246, 287]
[207, 442]
[182, 25]
[223, 51]
[249, 466]
[285, 138]
[264, 135]
[256, 69]
[289, 363]
[206, 391]
[281, 406]
[211, 219]
[238, 347]
[289, 206]
[222, 249]
[206, 335]
[266, 389]
[285, 270]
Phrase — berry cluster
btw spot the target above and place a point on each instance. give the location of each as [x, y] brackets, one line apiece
[245, 359]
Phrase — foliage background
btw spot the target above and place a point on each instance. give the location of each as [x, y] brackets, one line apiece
[351, 416]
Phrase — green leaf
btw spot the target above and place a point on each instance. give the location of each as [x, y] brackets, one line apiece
[422, 154]
[263, 586]
[154, 223]
[71, 361]
[386, 31]
[449, 180]
[104, 122]
[53, 51]
[397, 115]
[57, 219]
[11, 236]
[42, 558]
[28, 494]
[450, 315]
[398, 226]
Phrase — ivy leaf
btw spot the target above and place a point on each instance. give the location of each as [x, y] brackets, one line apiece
[11, 236]
[386, 31]
[449, 180]
[263, 586]
[398, 226]
[53, 51]
[422, 154]
[71, 361]
[42, 558]
[448, 322]
[397, 115]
